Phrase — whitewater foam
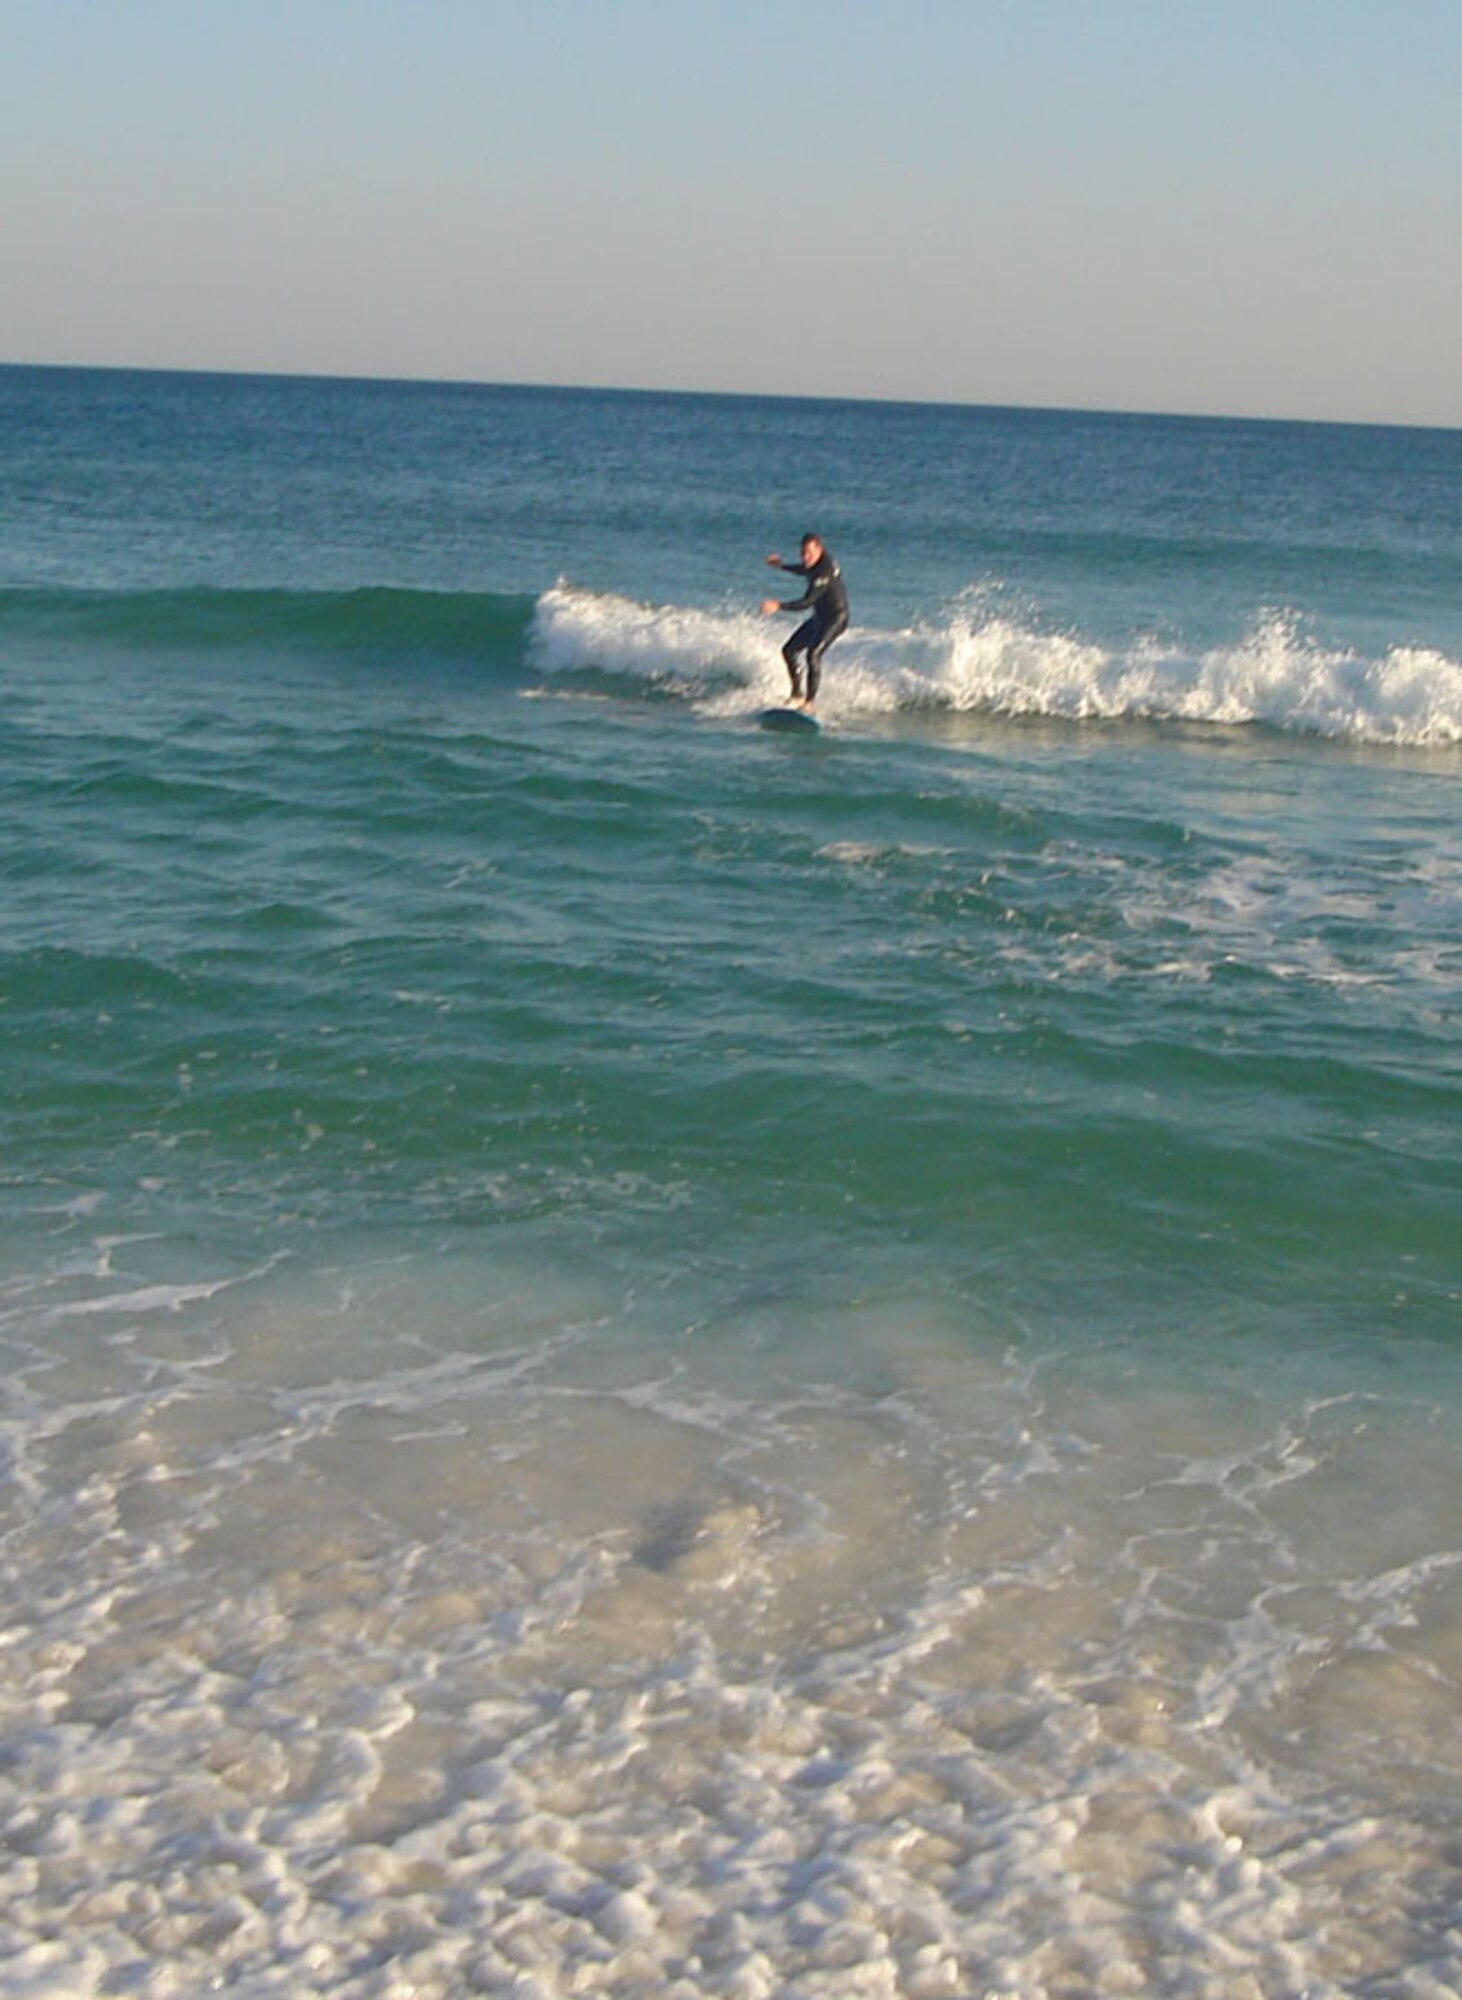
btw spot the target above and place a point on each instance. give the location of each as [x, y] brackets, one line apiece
[1277, 676]
[352, 1662]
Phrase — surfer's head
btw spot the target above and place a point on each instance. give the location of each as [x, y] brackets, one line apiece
[811, 547]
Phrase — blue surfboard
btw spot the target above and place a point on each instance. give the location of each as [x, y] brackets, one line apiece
[789, 718]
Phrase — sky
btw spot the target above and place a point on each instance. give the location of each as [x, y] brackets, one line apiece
[1236, 207]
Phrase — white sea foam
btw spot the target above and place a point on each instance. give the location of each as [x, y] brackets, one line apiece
[448, 1660]
[1277, 675]
[680, 649]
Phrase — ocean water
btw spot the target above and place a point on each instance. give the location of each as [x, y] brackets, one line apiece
[647, 1359]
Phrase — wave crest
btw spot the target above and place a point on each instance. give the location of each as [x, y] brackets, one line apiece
[1277, 676]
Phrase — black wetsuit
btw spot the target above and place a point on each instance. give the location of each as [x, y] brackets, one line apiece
[827, 597]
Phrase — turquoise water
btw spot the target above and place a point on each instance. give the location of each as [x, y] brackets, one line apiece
[644, 1358]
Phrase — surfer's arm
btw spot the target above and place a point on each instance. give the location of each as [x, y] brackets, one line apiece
[791, 569]
[813, 591]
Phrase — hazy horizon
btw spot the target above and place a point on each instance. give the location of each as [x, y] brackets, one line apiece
[649, 389]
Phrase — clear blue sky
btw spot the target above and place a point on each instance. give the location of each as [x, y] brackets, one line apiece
[1243, 206]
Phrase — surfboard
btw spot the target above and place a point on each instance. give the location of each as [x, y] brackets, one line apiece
[788, 718]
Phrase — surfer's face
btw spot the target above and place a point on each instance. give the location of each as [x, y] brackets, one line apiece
[811, 549]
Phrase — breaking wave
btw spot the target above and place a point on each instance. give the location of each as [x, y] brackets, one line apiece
[1276, 676]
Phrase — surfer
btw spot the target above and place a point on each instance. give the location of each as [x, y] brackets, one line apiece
[827, 599]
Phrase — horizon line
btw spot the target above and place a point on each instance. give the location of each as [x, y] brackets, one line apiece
[367, 378]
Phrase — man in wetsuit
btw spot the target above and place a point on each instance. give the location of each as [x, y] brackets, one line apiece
[827, 600]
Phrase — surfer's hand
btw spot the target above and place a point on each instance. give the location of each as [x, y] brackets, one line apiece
[774, 562]
[768, 606]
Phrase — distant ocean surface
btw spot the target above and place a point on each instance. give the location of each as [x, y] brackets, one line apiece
[645, 1359]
